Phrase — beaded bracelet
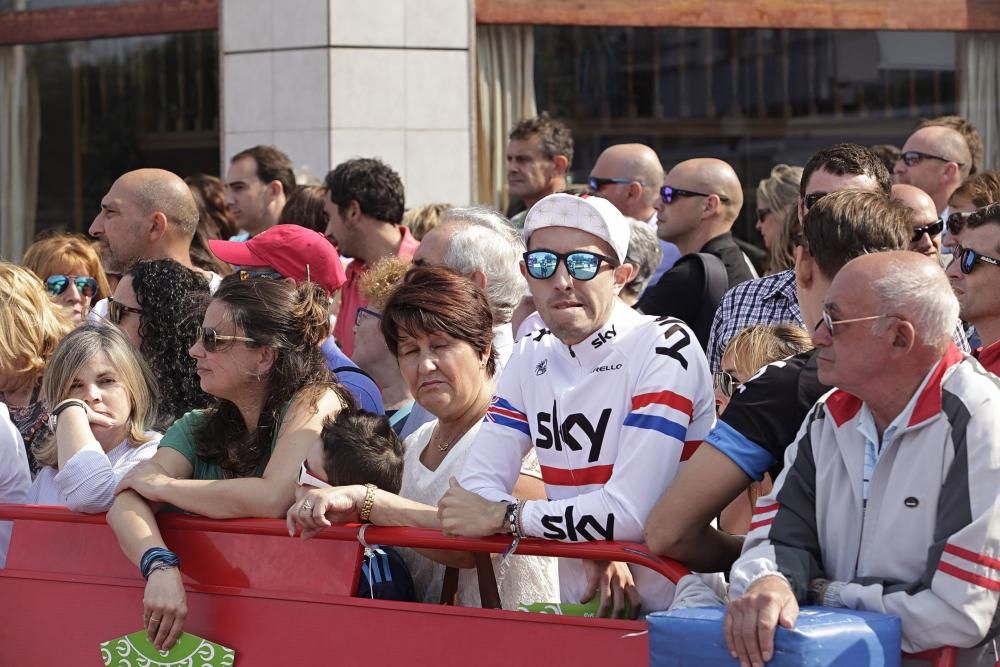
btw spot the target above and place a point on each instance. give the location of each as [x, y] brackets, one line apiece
[511, 518]
[155, 555]
[366, 507]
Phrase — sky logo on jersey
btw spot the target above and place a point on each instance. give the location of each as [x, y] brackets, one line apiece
[603, 337]
[663, 411]
[503, 413]
[567, 527]
[562, 432]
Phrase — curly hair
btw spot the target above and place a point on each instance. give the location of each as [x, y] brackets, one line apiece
[380, 281]
[170, 296]
[294, 321]
[372, 183]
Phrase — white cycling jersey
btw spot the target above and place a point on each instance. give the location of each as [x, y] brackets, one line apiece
[611, 419]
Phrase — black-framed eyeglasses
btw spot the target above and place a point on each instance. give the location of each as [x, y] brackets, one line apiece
[762, 213]
[810, 199]
[580, 264]
[361, 312]
[210, 339]
[247, 274]
[967, 259]
[956, 221]
[596, 182]
[59, 283]
[667, 193]
[117, 310]
[911, 158]
[831, 323]
[726, 382]
[931, 230]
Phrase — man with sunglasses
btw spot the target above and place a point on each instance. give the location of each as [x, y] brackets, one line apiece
[773, 299]
[611, 400]
[294, 253]
[888, 499]
[629, 176]
[699, 202]
[936, 159]
[765, 413]
[927, 225]
[975, 275]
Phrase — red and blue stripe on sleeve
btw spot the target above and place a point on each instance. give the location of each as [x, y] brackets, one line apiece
[503, 413]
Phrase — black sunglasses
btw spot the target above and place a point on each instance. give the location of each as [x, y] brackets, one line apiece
[967, 259]
[117, 310]
[668, 193]
[931, 230]
[59, 283]
[580, 264]
[596, 183]
[726, 382]
[810, 199]
[210, 339]
[911, 158]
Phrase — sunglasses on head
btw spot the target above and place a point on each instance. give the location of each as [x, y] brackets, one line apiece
[810, 199]
[956, 221]
[117, 310]
[726, 382]
[580, 264]
[210, 339]
[596, 183]
[57, 284]
[967, 259]
[247, 274]
[911, 158]
[307, 478]
[668, 193]
[931, 230]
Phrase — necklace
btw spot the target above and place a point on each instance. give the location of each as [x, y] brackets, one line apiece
[445, 446]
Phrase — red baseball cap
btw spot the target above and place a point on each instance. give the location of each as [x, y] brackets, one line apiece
[293, 251]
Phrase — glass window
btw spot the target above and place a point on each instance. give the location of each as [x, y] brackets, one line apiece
[107, 106]
[751, 97]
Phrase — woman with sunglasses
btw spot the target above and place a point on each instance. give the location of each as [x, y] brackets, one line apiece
[31, 325]
[104, 408]
[750, 350]
[439, 326]
[155, 304]
[258, 353]
[71, 270]
[777, 215]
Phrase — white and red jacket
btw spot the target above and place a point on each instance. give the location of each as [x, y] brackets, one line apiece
[926, 546]
[610, 418]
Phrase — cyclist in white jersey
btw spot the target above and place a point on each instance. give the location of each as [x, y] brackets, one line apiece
[613, 401]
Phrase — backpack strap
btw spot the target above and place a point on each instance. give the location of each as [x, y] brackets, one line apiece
[715, 286]
[351, 369]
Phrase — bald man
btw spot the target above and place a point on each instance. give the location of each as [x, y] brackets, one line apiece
[888, 499]
[698, 204]
[147, 214]
[629, 176]
[927, 225]
[936, 159]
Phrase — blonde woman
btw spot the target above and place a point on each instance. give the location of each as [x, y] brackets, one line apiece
[71, 270]
[31, 326]
[750, 350]
[777, 213]
[104, 398]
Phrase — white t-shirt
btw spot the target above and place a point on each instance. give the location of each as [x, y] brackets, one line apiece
[522, 579]
[88, 481]
[15, 478]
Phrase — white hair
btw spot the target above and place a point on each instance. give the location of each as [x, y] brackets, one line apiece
[487, 242]
[645, 253]
[924, 297]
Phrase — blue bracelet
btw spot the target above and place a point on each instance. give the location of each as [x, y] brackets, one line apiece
[154, 555]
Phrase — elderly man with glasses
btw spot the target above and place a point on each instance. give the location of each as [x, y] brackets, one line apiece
[611, 400]
[887, 500]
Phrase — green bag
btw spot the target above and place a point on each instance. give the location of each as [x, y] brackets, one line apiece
[135, 649]
[588, 610]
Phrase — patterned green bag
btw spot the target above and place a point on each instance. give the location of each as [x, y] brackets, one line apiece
[135, 649]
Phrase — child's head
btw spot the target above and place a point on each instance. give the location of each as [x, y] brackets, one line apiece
[357, 447]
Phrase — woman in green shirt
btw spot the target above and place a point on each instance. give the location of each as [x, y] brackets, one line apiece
[258, 354]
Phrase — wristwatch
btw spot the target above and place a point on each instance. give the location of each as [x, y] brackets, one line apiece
[56, 411]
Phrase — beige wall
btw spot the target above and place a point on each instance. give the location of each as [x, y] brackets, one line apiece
[327, 80]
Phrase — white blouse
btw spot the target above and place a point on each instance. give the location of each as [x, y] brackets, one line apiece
[521, 580]
[88, 481]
